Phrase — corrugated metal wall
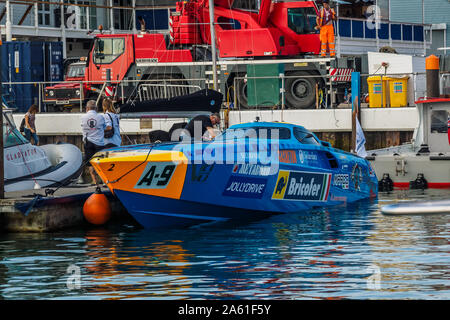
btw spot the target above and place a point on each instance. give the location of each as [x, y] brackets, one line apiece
[406, 11]
[436, 11]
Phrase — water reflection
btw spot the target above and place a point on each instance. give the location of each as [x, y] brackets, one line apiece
[323, 254]
[422, 242]
[122, 265]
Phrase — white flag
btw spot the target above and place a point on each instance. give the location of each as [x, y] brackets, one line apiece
[360, 141]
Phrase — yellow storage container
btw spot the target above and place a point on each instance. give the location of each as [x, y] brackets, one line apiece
[398, 91]
[377, 91]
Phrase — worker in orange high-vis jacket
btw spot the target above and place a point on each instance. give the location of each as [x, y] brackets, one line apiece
[325, 23]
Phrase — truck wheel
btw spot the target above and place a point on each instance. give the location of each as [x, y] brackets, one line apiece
[300, 92]
[49, 107]
[241, 91]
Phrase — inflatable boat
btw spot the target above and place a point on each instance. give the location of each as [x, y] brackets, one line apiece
[30, 167]
[251, 169]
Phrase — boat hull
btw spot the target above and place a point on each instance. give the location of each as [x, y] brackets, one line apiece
[404, 169]
[179, 213]
[424, 163]
[164, 187]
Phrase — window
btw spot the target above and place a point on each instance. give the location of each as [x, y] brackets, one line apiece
[11, 136]
[44, 18]
[302, 20]
[157, 19]
[122, 18]
[439, 119]
[257, 133]
[305, 137]
[76, 71]
[251, 5]
[107, 50]
[228, 24]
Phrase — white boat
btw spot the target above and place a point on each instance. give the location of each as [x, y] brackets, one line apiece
[423, 163]
[417, 207]
[28, 167]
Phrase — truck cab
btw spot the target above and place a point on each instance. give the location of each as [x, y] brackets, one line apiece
[69, 92]
[152, 66]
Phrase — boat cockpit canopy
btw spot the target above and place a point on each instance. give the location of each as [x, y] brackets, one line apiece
[270, 132]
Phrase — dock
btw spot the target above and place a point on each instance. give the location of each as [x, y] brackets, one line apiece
[32, 211]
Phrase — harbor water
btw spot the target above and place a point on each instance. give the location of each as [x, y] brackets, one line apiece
[346, 252]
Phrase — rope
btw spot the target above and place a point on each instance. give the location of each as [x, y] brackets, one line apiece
[131, 170]
[32, 204]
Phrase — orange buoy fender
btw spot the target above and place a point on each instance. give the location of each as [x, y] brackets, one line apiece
[97, 209]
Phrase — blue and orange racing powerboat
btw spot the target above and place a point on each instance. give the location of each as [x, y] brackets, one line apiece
[250, 169]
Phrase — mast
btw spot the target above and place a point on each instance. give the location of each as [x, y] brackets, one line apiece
[213, 42]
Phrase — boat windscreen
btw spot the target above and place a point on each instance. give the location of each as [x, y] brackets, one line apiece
[305, 137]
[11, 136]
[257, 132]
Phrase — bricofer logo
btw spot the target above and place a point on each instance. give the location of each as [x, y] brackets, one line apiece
[280, 187]
[302, 186]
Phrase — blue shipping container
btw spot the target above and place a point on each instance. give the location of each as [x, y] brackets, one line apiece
[54, 70]
[29, 62]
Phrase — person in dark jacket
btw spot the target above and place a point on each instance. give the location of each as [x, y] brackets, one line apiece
[202, 124]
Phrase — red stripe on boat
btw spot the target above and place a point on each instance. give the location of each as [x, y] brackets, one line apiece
[328, 187]
[432, 185]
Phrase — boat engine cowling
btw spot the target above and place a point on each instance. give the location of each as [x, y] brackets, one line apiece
[385, 184]
[419, 183]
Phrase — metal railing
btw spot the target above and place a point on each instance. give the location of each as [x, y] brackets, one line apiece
[327, 94]
[164, 91]
[21, 95]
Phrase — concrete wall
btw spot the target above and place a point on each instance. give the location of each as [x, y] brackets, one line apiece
[336, 120]
[323, 120]
[70, 124]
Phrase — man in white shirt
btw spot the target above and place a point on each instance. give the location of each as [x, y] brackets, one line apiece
[93, 127]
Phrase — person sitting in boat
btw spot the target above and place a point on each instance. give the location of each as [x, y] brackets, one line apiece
[93, 126]
[202, 124]
[112, 131]
[30, 126]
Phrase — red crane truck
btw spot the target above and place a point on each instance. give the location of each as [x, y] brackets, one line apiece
[281, 32]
